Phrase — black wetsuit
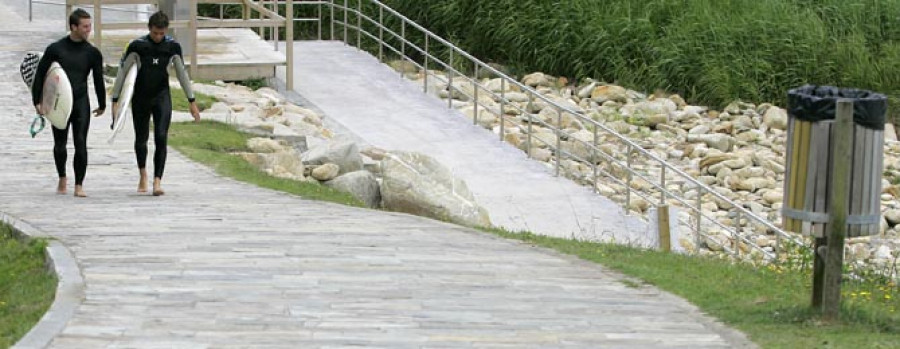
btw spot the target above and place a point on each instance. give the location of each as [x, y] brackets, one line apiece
[152, 97]
[77, 59]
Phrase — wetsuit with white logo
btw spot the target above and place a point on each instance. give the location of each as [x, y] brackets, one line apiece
[78, 59]
[151, 94]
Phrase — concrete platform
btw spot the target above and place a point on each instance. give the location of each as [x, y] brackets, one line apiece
[228, 54]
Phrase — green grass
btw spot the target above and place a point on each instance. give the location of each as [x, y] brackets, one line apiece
[770, 304]
[254, 84]
[211, 143]
[27, 288]
[709, 51]
[180, 102]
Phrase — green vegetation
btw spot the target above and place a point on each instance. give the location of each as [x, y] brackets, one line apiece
[211, 143]
[27, 288]
[710, 51]
[180, 102]
[254, 84]
[770, 304]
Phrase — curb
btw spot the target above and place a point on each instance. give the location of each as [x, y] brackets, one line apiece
[69, 290]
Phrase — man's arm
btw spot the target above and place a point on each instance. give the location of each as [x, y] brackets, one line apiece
[129, 58]
[185, 82]
[181, 73]
[99, 85]
[37, 87]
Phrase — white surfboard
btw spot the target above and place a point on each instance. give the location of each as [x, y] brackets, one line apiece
[56, 99]
[124, 103]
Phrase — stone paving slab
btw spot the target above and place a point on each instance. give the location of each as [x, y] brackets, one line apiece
[220, 264]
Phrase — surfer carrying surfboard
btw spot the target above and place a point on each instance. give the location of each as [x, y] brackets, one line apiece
[78, 58]
[153, 53]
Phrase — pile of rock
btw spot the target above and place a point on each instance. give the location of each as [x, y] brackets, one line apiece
[293, 143]
[739, 151]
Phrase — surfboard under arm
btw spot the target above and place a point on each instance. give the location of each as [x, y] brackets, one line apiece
[131, 59]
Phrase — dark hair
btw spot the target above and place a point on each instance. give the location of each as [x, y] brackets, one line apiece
[158, 20]
[76, 16]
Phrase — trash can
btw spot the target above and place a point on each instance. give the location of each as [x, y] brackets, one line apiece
[811, 114]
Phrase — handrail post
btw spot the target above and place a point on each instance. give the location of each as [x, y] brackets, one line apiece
[319, 21]
[98, 25]
[593, 161]
[403, 39]
[425, 66]
[345, 23]
[359, 24]
[502, 106]
[30, 13]
[289, 44]
[559, 152]
[530, 122]
[476, 85]
[662, 185]
[628, 178]
[381, 34]
[698, 216]
[275, 26]
[737, 232]
[450, 83]
[331, 18]
[195, 64]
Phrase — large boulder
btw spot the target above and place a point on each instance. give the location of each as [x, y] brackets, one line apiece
[361, 184]
[416, 183]
[343, 153]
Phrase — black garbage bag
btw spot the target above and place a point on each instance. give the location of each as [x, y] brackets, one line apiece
[817, 103]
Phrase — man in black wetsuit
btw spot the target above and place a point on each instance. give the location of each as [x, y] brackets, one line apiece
[153, 53]
[77, 57]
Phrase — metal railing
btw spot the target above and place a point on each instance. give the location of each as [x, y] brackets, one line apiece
[646, 175]
[63, 3]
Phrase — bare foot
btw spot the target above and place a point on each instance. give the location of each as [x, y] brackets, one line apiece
[157, 188]
[61, 186]
[79, 192]
[142, 183]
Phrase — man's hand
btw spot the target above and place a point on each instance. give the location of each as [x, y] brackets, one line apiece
[38, 109]
[195, 111]
[97, 112]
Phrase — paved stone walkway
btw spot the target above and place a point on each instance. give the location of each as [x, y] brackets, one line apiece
[221, 264]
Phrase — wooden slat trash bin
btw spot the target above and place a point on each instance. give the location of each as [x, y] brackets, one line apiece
[811, 113]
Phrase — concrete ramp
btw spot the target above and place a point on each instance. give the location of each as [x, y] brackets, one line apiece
[374, 103]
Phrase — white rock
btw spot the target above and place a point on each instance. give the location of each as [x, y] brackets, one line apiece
[264, 145]
[325, 172]
[776, 118]
[892, 216]
[773, 196]
[883, 252]
[537, 79]
[699, 130]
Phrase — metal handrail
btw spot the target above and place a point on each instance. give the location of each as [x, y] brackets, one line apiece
[702, 190]
[106, 8]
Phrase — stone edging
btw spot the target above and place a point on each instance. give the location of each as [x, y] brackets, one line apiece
[69, 290]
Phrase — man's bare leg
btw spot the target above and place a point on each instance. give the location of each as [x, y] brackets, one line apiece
[79, 191]
[142, 183]
[157, 188]
[61, 186]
